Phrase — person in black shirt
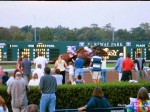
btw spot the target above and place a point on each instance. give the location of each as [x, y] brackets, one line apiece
[5, 78]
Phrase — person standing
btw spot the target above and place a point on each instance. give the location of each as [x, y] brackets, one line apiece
[18, 65]
[5, 78]
[103, 70]
[127, 66]
[71, 71]
[40, 60]
[79, 62]
[118, 65]
[18, 90]
[62, 65]
[139, 62]
[48, 86]
[96, 62]
[26, 68]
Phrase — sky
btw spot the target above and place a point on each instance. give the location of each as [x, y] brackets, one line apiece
[74, 14]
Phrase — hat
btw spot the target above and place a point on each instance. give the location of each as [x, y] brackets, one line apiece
[18, 73]
[121, 54]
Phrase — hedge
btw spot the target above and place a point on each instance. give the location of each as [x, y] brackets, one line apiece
[74, 96]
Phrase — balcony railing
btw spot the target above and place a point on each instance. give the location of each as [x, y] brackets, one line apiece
[110, 109]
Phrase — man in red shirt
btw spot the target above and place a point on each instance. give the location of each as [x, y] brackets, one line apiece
[127, 66]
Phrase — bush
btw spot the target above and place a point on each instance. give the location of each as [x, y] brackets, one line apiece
[74, 96]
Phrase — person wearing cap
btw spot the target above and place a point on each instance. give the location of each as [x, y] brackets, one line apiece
[18, 90]
[118, 65]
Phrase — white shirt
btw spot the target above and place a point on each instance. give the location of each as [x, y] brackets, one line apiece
[2, 109]
[59, 78]
[39, 72]
[10, 80]
[103, 66]
[40, 60]
[71, 69]
[61, 65]
[34, 82]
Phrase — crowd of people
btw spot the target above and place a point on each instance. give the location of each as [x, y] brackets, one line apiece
[19, 83]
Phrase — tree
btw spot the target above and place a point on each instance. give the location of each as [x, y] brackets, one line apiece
[137, 34]
[122, 35]
[29, 36]
[94, 25]
[17, 34]
[45, 35]
[145, 26]
[26, 28]
[5, 34]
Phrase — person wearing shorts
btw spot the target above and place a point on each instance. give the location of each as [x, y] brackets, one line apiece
[96, 61]
[79, 63]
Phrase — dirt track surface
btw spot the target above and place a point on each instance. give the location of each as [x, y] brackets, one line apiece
[110, 77]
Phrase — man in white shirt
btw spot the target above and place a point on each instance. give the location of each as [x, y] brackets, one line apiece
[41, 60]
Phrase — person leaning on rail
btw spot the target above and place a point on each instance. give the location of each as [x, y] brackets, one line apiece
[96, 101]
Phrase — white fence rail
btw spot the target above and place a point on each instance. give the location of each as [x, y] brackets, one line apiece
[85, 69]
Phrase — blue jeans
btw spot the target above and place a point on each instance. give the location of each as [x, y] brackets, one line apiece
[103, 72]
[79, 71]
[48, 101]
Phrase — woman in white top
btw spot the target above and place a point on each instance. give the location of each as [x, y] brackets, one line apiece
[61, 64]
[3, 106]
[34, 81]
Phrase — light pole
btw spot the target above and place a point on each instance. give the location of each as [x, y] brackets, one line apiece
[35, 34]
[35, 28]
[110, 28]
[112, 34]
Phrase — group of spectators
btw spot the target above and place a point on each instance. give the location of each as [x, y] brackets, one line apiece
[126, 65]
[19, 83]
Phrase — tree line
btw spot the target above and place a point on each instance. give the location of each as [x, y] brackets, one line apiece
[60, 33]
